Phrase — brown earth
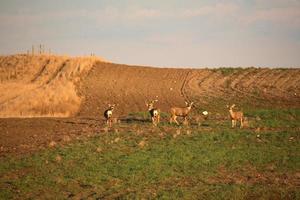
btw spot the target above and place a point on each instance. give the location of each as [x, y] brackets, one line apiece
[131, 86]
[72, 93]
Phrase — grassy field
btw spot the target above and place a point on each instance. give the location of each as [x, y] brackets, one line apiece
[135, 160]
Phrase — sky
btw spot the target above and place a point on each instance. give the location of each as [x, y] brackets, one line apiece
[162, 33]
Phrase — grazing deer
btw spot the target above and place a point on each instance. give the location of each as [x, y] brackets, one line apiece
[108, 114]
[154, 112]
[236, 116]
[180, 112]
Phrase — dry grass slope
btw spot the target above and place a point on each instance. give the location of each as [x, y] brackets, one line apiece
[41, 86]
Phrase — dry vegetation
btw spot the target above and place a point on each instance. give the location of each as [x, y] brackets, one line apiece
[41, 86]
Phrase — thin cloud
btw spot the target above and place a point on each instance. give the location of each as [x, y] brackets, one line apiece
[115, 14]
[219, 9]
[276, 3]
[287, 16]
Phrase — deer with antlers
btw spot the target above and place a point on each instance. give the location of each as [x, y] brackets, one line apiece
[154, 112]
[108, 114]
[180, 112]
[235, 115]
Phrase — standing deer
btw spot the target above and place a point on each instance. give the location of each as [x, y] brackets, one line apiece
[234, 116]
[154, 112]
[108, 114]
[180, 112]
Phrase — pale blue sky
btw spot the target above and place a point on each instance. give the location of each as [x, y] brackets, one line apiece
[165, 33]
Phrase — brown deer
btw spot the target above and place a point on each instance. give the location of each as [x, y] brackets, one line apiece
[154, 112]
[108, 114]
[234, 116]
[180, 112]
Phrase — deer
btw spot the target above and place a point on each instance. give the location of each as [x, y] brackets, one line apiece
[235, 115]
[180, 112]
[154, 112]
[108, 114]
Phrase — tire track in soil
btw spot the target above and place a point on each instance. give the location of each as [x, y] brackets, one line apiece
[41, 71]
[208, 84]
[240, 92]
[273, 88]
[182, 89]
[55, 74]
[257, 84]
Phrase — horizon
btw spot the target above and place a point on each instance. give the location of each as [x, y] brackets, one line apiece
[212, 34]
[101, 59]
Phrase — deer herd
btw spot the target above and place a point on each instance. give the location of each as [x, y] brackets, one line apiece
[175, 112]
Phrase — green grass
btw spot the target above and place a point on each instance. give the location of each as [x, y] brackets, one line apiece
[195, 162]
[275, 118]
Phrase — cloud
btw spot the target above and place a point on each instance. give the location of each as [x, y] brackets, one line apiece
[129, 14]
[219, 9]
[36, 18]
[284, 16]
[276, 3]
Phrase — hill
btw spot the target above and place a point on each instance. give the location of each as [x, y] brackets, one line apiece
[61, 86]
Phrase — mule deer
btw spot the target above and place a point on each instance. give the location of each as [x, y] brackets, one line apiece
[180, 112]
[234, 116]
[154, 112]
[108, 114]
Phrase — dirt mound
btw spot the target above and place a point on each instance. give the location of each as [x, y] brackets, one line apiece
[58, 86]
[41, 86]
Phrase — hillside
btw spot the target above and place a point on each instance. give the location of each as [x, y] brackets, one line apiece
[60, 86]
[41, 86]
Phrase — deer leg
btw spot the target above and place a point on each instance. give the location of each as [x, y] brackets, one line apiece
[176, 120]
[172, 119]
[242, 123]
[232, 123]
[154, 121]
